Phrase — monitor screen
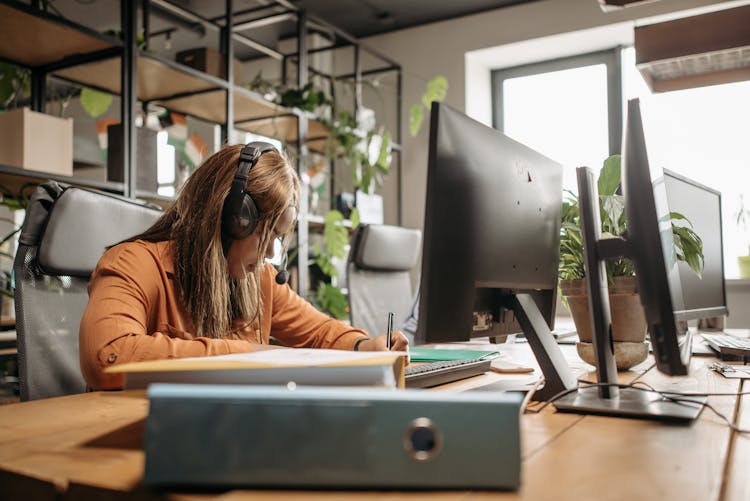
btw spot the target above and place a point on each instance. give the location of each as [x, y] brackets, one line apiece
[703, 296]
[492, 225]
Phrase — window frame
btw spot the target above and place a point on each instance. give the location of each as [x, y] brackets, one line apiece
[612, 60]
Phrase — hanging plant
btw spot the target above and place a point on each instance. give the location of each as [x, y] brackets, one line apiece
[308, 98]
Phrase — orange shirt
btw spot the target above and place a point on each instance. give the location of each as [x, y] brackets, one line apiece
[134, 313]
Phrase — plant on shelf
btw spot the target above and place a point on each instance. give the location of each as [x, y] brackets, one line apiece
[12, 202]
[362, 147]
[15, 84]
[308, 98]
[628, 321]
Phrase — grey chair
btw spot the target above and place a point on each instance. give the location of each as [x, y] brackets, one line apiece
[378, 275]
[65, 232]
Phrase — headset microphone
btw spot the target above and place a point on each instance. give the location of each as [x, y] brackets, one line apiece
[282, 276]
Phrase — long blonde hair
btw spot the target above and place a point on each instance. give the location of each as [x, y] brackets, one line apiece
[193, 226]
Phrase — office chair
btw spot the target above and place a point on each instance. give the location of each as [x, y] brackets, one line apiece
[64, 234]
[378, 278]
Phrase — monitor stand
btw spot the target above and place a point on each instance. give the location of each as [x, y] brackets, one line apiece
[557, 374]
[630, 402]
[607, 398]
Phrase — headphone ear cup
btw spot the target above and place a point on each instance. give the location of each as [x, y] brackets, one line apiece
[247, 219]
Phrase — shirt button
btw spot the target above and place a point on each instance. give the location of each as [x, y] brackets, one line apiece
[111, 358]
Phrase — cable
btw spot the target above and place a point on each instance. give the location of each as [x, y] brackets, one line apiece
[678, 397]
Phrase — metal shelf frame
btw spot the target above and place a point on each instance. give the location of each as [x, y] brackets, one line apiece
[88, 47]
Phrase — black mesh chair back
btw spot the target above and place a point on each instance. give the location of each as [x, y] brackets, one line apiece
[378, 275]
[64, 234]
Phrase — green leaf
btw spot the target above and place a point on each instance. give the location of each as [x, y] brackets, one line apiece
[95, 103]
[332, 301]
[437, 89]
[416, 114]
[613, 219]
[335, 235]
[354, 217]
[609, 176]
[326, 265]
[385, 150]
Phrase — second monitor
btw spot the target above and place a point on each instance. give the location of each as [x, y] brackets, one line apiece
[704, 296]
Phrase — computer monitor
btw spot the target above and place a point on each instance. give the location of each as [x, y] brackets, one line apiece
[491, 241]
[702, 296]
[649, 244]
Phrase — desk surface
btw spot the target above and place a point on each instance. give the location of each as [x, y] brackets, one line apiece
[85, 444]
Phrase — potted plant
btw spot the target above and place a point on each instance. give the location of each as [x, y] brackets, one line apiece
[628, 321]
[743, 222]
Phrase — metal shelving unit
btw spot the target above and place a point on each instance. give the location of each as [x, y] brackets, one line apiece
[52, 46]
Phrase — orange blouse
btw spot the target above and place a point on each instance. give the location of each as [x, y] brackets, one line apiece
[134, 313]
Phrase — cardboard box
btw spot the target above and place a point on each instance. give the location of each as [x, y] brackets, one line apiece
[145, 157]
[36, 141]
[208, 61]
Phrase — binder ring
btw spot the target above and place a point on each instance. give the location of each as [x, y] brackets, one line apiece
[422, 440]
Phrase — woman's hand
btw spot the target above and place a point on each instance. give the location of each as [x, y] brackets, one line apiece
[399, 342]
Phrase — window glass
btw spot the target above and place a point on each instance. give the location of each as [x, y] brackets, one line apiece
[562, 114]
[704, 134]
[701, 133]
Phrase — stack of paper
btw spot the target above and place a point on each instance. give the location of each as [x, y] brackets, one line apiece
[301, 366]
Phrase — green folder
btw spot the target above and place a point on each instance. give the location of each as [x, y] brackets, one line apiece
[436, 355]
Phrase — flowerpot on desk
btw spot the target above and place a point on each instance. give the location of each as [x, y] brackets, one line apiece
[628, 320]
[744, 263]
[145, 157]
[36, 141]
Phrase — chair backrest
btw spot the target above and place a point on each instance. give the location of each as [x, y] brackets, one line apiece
[380, 260]
[65, 232]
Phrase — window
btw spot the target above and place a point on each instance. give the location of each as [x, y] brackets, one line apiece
[559, 109]
[562, 109]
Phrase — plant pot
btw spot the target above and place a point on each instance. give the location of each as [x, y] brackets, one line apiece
[628, 320]
[744, 264]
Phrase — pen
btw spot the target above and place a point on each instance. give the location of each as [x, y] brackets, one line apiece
[389, 332]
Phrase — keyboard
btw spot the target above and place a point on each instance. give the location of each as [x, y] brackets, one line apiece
[729, 347]
[444, 371]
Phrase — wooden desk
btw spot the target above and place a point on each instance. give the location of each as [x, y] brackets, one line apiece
[89, 445]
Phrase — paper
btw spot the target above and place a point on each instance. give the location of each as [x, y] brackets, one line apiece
[731, 371]
[297, 357]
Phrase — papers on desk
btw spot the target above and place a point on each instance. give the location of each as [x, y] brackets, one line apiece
[731, 371]
[420, 354]
[302, 366]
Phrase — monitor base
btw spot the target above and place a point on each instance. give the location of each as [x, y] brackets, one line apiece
[632, 403]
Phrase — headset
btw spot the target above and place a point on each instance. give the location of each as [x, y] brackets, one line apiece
[240, 215]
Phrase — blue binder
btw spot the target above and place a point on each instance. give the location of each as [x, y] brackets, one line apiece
[332, 437]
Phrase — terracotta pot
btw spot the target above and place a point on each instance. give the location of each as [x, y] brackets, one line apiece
[628, 319]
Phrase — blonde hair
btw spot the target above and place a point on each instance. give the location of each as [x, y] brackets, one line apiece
[193, 225]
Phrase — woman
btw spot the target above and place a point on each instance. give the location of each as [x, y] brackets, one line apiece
[196, 284]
